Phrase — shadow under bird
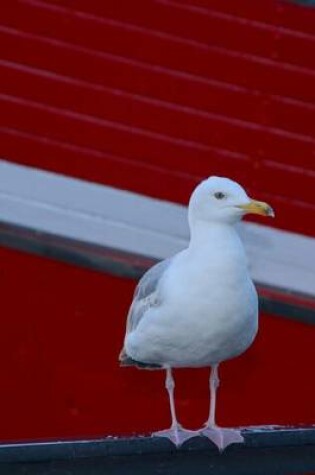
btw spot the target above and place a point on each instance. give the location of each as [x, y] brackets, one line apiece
[199, 307]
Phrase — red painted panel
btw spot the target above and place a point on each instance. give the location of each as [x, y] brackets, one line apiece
[283, 177]
[137, 78]
[173, 19]
[205, 26]
[107, 136]
[150, 116]
[127, 74]
[293, 115]
[196, 97]
[60, 376]
[144, 45]
[244, 9]
[97, 99]
[283, 13]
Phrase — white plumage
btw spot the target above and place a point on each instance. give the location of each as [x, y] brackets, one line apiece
[199, 307]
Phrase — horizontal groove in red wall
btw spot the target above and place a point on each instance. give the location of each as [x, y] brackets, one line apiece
[282, 13]
[111, 137]
[282, 178]
[207, 95]
[292, 115]
[208, 98]
[275, 13]
[106, 68]
[201, 134]
[42, 86]
[202, 60]
[117, 105]
[262, 12]
[101, 68]
[209, 28]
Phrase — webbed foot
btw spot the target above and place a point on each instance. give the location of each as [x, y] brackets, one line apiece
[222, 437]
[177, 434]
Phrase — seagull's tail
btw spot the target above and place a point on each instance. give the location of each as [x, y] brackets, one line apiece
[126, 360]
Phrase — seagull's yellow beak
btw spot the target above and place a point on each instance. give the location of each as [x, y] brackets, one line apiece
[258, 207]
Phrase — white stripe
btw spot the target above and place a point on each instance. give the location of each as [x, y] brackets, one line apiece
[131, 222]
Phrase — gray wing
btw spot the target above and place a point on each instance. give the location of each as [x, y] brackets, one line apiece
[146, 294]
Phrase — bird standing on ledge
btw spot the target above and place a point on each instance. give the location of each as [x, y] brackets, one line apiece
[199, 307]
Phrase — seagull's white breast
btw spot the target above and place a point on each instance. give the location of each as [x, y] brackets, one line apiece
[209, 311]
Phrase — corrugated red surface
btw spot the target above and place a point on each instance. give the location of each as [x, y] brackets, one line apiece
[61, 332]
[169, 90]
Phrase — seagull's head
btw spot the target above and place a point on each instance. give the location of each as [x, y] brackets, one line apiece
[222, 200]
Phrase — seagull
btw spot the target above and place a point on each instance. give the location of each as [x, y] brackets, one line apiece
[199, 307]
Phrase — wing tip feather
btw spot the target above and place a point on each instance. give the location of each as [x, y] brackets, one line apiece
[126, 360]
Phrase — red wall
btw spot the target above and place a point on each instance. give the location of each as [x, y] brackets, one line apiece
[61, 331]
[153, 95]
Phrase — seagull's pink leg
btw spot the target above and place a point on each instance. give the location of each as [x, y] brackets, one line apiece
[221, 437]
[175, 433]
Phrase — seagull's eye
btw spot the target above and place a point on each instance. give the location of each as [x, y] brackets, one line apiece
[219, 195]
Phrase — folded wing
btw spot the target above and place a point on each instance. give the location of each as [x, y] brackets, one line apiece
[147, 295]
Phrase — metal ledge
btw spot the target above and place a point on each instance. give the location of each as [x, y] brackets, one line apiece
[266, 450]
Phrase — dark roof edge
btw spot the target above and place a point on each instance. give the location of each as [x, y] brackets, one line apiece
[265, 450]
[280, 302]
